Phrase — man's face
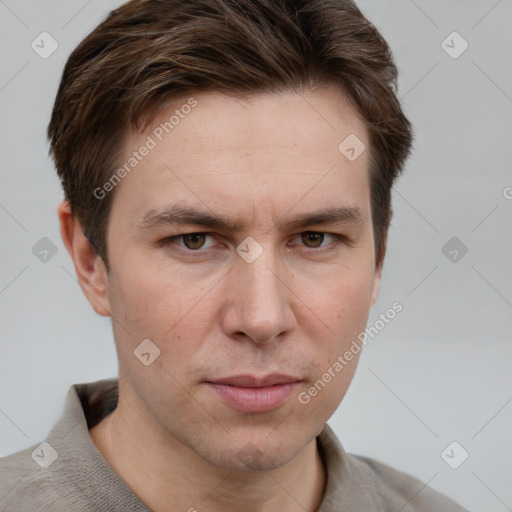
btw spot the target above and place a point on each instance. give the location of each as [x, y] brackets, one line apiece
[287, 304]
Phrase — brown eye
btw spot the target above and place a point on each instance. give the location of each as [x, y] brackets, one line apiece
[194, 240]
[312, 239]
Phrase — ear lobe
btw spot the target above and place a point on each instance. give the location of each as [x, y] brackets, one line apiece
[90, 268]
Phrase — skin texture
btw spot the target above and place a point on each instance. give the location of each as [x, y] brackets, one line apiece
[292, 311]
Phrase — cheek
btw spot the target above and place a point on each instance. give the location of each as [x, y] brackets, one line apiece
[151, 302]
[341, 314]
[340, 300]
[323, 393]
[176, 318]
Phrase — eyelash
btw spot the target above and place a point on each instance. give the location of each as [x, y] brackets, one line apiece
[172, 240]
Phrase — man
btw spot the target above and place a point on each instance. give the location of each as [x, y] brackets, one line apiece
[227, 167]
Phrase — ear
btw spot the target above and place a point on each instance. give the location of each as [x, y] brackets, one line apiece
[378, 274]
[89, 267]
[376, 285]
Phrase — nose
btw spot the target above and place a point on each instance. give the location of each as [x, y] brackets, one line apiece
[257, 301]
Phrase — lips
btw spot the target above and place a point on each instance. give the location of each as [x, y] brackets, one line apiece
[249, 381]
[252, 394]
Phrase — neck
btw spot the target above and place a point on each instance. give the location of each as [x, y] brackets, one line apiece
[167, 475]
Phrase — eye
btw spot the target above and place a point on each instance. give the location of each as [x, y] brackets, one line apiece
[191, 241]
[315, 239]
[197, 242]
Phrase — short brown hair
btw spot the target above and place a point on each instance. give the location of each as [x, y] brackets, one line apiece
[149, 52]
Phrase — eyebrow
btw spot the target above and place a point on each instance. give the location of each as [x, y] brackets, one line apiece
[176, 215]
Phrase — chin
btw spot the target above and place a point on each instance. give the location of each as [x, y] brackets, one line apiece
[249, 456]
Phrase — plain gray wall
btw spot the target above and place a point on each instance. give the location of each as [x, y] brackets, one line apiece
[438, 373]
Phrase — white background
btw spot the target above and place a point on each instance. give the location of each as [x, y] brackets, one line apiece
[439, 372]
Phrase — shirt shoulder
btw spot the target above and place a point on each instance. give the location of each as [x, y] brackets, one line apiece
[400, 491]
[26, 486]
[66, 472]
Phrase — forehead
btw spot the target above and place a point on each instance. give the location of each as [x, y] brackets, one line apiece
[272, 149]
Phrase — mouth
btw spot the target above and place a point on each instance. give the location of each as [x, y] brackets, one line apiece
[252, 394]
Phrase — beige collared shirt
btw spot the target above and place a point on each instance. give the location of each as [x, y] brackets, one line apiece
[67, 473]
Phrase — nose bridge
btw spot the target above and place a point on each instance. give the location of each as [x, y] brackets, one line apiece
[260, 278]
